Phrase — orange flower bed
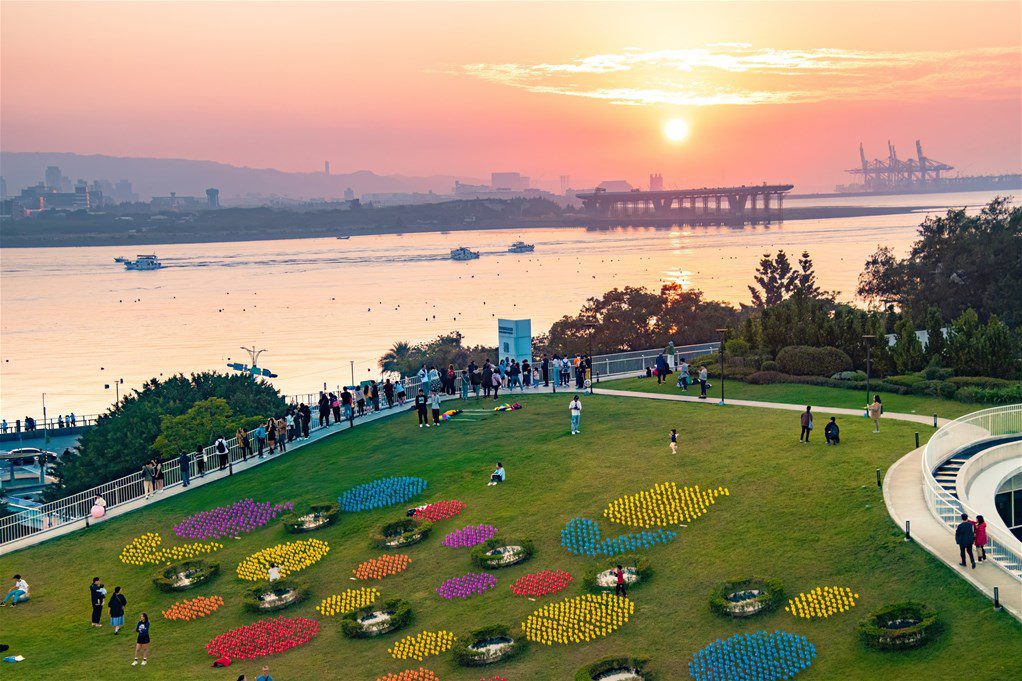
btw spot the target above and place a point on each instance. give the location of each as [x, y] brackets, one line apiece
[381, 567]
[419, 674]
[193, 609]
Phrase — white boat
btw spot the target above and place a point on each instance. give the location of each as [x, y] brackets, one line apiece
[143, 262]
[463, 253]
[521, 247]
[343, 237]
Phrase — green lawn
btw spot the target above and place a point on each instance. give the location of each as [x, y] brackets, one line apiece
[807, 515]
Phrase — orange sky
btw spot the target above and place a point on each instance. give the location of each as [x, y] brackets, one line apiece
[772, 91]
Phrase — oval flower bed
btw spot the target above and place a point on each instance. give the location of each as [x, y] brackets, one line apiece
[380, 493]
[577, 620]
[603, 577]
[899, 626]
[186, 575]
[420, 674]
[822, 602]
[349, 600]
[662, 505]
[378, 620]
[541, 583]
[746, 597]
[498, 554]
[384, 566]
[317, 517]
[289, 557]
[468, 536]
[616, 668]
[760, 655]
[440, 510]
[148, 550]
[277, 595]
[582, 537]
[200, 606]
[467, 585]
[225, 521]
[265, 637]
[422, 645]
[487, 646]
[400, 533]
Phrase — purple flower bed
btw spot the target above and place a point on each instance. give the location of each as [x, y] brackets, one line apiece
[466, 585]
[470, 535]
[224, 521]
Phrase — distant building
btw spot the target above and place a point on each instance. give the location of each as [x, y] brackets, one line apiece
[615, 186]
[326, 167]
[656, 182]
[53, 178]
[3, 188]
[511, 181]
[81, 196]
[176, 203]
[403, 198]
[123, 192]
[565, 184]
[11, 209]
[212, 198]
[349, 194]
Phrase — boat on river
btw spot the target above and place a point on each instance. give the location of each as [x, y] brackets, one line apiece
[521, 247]
[143, 263]
[463, 253]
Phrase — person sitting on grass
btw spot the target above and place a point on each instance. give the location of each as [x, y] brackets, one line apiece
[18, 593]
[832, 432]
[497, 476]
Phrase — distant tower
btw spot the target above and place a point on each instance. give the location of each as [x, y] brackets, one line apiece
[3, 188]
[326, 167]
[212, 198]
[565, 183]
[53, 177]
[349, 194]
[656, 182]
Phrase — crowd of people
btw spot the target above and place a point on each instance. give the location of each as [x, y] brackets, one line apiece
[31, 425]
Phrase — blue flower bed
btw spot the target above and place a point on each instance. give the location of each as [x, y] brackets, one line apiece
[380, 493]
[761, 656]
[582, 537]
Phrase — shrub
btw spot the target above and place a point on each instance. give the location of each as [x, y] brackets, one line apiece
[255, 603]
[400, 618]
[327, 513]
[944, 389]
[875, 632]
[805, 360]
[401, 533]
[906, 380]
[198, 572]
[937, 373]
[466, 657]
[981, 382]
[849, 376]
[768, 377]
[770, 365]
[486, 562]
[596, 669]
[990, 395]
[772, 595]
[737, 347]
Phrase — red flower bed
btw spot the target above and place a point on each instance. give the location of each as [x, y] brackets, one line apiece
[541, 583]
[265, 637]
[441, 510]
[420, 674]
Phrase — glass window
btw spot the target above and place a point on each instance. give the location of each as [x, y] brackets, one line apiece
[1002, 502]
[1018, 508]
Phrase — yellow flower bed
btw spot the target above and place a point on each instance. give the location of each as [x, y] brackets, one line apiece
[352, 599]
[148, 550]
[822, 602]
[290, 557]
[578, 620]
[421, 646]
[662, 505]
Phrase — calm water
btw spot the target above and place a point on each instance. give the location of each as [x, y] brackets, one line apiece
[73, 320]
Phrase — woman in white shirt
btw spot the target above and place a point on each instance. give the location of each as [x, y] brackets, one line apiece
[575, 409]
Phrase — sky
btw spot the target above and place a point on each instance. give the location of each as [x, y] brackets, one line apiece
[769, 91]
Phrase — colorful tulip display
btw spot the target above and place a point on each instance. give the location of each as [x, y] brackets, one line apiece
[761, 656]
[384, 566]
[148, 550]
[420, 646]
[582, 537]
[290, 557]
[193, 609]
[541, 583]
[493, 678]
[265, 637]
[579, 619]
[350, 600]
[662, 505]
[822, 602]
[226, 521]
[441, 510]
[467, 585]
[470, 535]
[380, 493]
[419, 674]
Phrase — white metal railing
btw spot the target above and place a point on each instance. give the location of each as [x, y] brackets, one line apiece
[972, 429]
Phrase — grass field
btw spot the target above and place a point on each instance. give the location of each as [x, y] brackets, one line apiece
[807, 515]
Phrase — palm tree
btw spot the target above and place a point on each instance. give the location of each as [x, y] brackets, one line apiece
[396, 359]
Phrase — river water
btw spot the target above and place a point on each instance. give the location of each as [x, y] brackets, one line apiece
[74, 321]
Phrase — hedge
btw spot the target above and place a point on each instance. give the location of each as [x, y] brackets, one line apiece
[643, 570]
[981, 382]
[486, 562]
[1010, 395]
[591, 671]
[772, 596]
[253, 601]
[805, 360]
[165, 579]
[293, 521]
[411, 530]
[401, 618]
[467, 657]
[874, 634]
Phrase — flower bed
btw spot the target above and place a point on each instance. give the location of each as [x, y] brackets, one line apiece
[470, 535]
[581, 536]
[200, 606]
[746, 597]
[186, 575]
[488, 645]
[441, 510]
[577, 620]
[422, 645]
[148, 550]
[289, 557]
[899, 626]
[467, 585]
[616, 669]
[225, 521]
[602, 577]
[399, 533]
[277, 595]
[347, 601]
[384, 566]
[265, 637]
[377, 620]
[662, 505]
[499, 554]
[822, 602]
[317, 517]
[541, 583]
[380, 493]
[419, 674]
[760, 655]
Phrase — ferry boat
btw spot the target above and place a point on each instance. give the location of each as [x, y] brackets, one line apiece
[143, 262]
[463, 253]
[521, 247]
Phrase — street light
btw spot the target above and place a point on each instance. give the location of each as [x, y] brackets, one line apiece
[723, 333]
[117, 390]
[868, 338]
[591, 325]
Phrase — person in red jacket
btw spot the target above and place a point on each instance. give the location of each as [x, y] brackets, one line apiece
[619, 588]
[981, 539]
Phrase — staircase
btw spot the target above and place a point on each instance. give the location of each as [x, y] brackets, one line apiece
[946, 474]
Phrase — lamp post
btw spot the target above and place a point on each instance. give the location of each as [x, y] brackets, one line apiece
[723, 334]
[352, 373]
[868, 338]
[117, 390]
[46, 433]
[591, 325]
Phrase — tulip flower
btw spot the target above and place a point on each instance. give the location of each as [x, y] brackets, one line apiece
[759, 655]
[422, 645]
[541, 583]
[349, 601]
[821, 603]
[419, 674]
[380, 493]
[384, 566]
[662, 505]
[289, 557]
[226, 521]
[440, 510]
[148, 550]
[265, 637]
[466, 585]
[470, 535]
[576, 620]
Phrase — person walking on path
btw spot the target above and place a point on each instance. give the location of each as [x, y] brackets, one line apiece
[875, 409]
[261, 435]
[981, 538]
[142, 641]
[832, 432]
[575, 410]
[420, 408]
[703, 382]
[244, 443]
[221, 450]
[97, 594]
[619, 587]
[16, 594]
[182, 464]
[806, 419]
[434, 403]
[669, 351]
[965, 537]
[116, 605]
[674, 440]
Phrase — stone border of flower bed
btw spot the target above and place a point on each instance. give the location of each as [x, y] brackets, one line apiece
[637, 665]
[400, 618]
[643, 572]
[771, 595]
[295, 522]
[254, 602]
[165, 578]
[408, 531]
[467, 657]
[876, 634]
[482, 558]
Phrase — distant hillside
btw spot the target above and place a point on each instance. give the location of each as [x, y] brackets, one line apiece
[160, 176]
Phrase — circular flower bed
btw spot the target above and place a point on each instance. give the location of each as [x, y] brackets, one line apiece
[470, 535]
[380, 493]
[399, 533]
[265, 637]
[277, 595]
[581, 536]
[760, 655]
[488, 646]
[746, 597]
[186, 575]
[317, 517]
[422, 645]
[148, 550]
[822, 602]
[467, 585]
[662, 505]
[603, 577]
[225, 521]
[200, 606]
[541, 583]
[289, 557]
[349, 600]
[899, 626]
[616, 668]
[419, 674]
[376, 620]
[441, 510]
[577, 620]
[498, 554]
[384, 566]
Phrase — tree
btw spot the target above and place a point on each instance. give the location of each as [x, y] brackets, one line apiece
[963, 340]
[908, 351]
[805, 282]
[775, 278]
[199, 426]
[998, 351]
[395, 360]
[934, 335]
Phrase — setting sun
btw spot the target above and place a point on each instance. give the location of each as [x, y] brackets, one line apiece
[676, 129]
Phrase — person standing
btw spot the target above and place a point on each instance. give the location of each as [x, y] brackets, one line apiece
[182, 464]
[16, 594]
[487, 377]
[703, 382]
[116, 605]
[374, 393]
[476, 379]
[575, 409]
[346, 402]
[965, 537]
[806, 419]
[142, 641]
[433, 379]
[360, 401]
[97, 594]
[221, 450]
[244, 443]
[271, 435]
[674, 440]
[496, 381]
[619, 586]
[289, 421]
[200, 461]
[683, 375]
[981, 538]
[875, 409]
[282, 434]
[261, 438]
[514, 373]
[306, 414]
[434, 404]
[388, 393]
[148, 471]
[545, 370]
[420, 408]
[335, 407]
[324, 409]
[465, 383]
[661, 368]
[265, 676]
[669, 351]
[526, 373]
[158, 474]
[399, 390]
